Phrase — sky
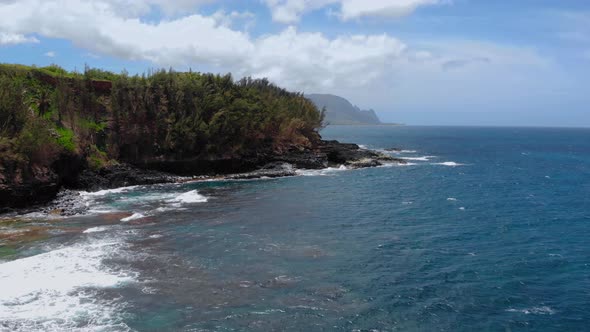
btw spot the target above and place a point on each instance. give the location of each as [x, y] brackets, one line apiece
[420, 62]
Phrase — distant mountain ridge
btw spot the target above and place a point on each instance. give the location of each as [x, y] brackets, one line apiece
[340, 111]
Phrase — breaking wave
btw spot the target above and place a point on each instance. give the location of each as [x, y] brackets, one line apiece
[57, 290]
[321, 172]
[192, 196]
[449, 163]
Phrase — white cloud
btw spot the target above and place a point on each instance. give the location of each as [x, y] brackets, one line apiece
[352, 9]
[132, 8]
[312, 61]
[426, 82]
[291, 58]
[50, 54]
[230, 20]
[373, 70]
[7, 38]
[290, 11]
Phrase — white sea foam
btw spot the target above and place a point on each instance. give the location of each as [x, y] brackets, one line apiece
[321, 172]
[192, 196]
[544, 310]
[395, 164]
[55, 291]
[107, 191]
[134, 216]
[452, 199]
[449, 163]
[140, 202]
[166, 209]
[423, 158]
[92, 200]
[96, 229]
[101, 210]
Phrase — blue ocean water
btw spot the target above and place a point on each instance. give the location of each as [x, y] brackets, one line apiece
[485, 229]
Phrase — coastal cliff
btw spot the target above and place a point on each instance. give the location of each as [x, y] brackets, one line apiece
[97, 130]
[340, 111]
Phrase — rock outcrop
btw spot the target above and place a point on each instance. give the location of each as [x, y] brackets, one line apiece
[41, 185]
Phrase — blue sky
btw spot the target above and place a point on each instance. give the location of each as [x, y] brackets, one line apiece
[447, 62]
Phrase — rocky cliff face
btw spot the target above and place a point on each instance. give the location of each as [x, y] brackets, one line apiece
[23, 185]
[20, 188]
[67, 130]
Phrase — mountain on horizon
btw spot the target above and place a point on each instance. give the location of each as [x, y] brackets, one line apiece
[340, 111]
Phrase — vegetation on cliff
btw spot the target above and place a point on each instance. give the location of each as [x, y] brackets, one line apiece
[102, 118]
[162, 114]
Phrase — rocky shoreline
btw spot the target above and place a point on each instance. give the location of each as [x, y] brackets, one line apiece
[50, 193]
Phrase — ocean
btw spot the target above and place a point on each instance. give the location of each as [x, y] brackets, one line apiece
[485, 229]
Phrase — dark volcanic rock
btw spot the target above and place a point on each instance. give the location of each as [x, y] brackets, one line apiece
[273, 170]
[26, 187]
[23, 185]
[121, 175]
[307, 159]
[200, 166]
[66, 203]
[351, 154]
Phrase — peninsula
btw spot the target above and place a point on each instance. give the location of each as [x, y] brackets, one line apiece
[96, 130]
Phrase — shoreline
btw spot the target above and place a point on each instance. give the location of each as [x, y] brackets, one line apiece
[327, 154]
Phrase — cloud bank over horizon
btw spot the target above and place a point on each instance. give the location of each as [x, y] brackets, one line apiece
[349, 48]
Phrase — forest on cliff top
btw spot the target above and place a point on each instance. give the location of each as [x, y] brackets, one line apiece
[106, 118]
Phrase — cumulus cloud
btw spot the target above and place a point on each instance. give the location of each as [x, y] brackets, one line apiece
[290, 11]
[372, 69]
[292, 58]
[50, 54]
[168, 7]
[7, 38]
[352, 9]
[311, 60]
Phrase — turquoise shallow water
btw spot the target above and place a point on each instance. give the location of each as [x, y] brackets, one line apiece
[485, 229]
